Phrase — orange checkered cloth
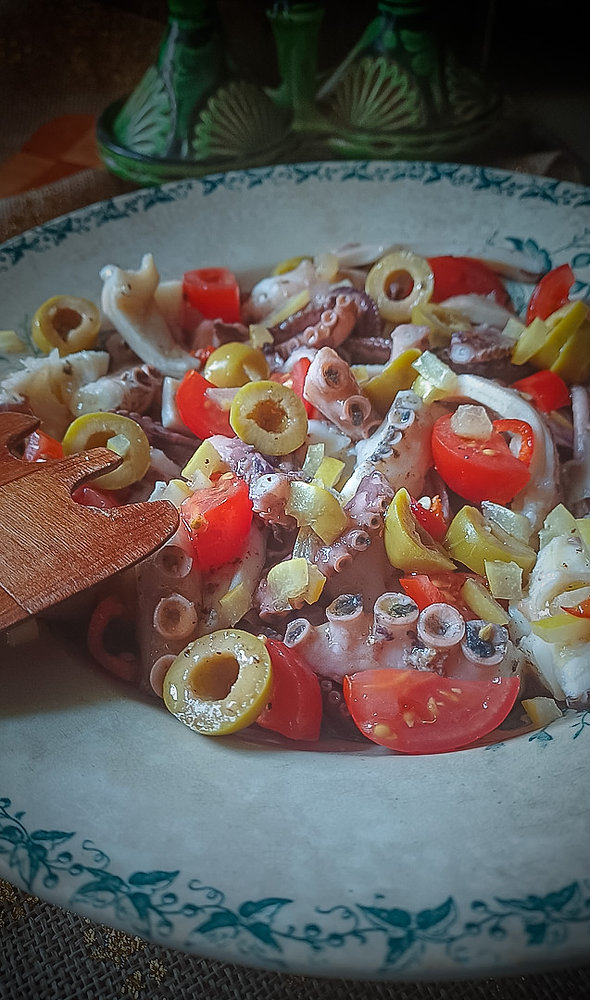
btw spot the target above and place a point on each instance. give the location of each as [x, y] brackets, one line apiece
[60, 148]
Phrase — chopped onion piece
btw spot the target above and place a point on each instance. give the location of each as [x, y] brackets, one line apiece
[471, 421]
[559, 521]
[504, 578]
[314, 457]
[435, 371]
[510, 520]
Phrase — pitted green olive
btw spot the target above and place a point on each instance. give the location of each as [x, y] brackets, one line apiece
[269, 416]
[399, 282]
[220, 683]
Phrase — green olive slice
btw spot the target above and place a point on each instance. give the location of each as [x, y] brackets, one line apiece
[220, 683]
[67, 322]
[398, 282]
[122, 435]
[269, 416]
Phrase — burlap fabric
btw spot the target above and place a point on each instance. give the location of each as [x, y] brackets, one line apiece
[76, 58]
[49, 954]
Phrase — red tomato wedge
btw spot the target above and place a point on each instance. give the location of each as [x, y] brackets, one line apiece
[422, 590]
[481, 469]
[581, 610]
[214, 292]
[417, 711]
[91, 496]
[550, 293]
[546, 389]
[201, 414]
[465, 276]
[218, 520]
[40, 446]
[431, 518]
[295, 706]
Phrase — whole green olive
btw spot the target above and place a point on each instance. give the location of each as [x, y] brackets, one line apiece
[235, 364]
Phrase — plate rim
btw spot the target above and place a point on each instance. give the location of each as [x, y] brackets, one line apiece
[101, 212]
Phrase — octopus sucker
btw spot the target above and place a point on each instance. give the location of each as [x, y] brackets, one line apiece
[399, 636]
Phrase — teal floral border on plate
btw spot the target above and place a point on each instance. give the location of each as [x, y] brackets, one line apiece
[504, 183]
[161, 905]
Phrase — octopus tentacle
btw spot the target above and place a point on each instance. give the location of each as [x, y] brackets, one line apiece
[332, 388]
[398, 636]
[332, 327]
[368, 320]
[399, 449]
[169, 594]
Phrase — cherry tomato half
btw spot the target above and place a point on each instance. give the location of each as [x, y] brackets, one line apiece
[214, 292]
[550, 293]
[218, 520]
[417, 711]
[547, 390]
[201, 414]
[464, 276]
[479, 469]
[295, 706]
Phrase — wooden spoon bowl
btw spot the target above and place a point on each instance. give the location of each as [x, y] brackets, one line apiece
[52, 547]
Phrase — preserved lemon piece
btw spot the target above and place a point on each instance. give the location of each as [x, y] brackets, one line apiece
[399, 282]
[530, 341]
[408, 546]
[481, 602]
[96, 430]
[310, 504]
[559, 333]
[284, 266]
[292, 305]
[294, 581]
[220, 683]
[206, 460]
[234, 364]
[573, 361]
[471, 541]
[562, 628]
[329, 472]
[397, 374]
[541, 711]
[269, 416]
[67, 322]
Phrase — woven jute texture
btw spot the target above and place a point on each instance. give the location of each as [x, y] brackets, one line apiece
[47, 953]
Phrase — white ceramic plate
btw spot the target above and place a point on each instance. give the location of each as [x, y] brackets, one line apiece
[344, 864]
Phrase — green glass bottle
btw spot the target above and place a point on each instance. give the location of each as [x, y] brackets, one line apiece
[296, 28]
[401, 90]
[190, 114]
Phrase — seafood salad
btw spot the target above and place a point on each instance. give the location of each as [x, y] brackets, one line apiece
[382, 474]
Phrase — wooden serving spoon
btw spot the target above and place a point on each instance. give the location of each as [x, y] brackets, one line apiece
[52, 547]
